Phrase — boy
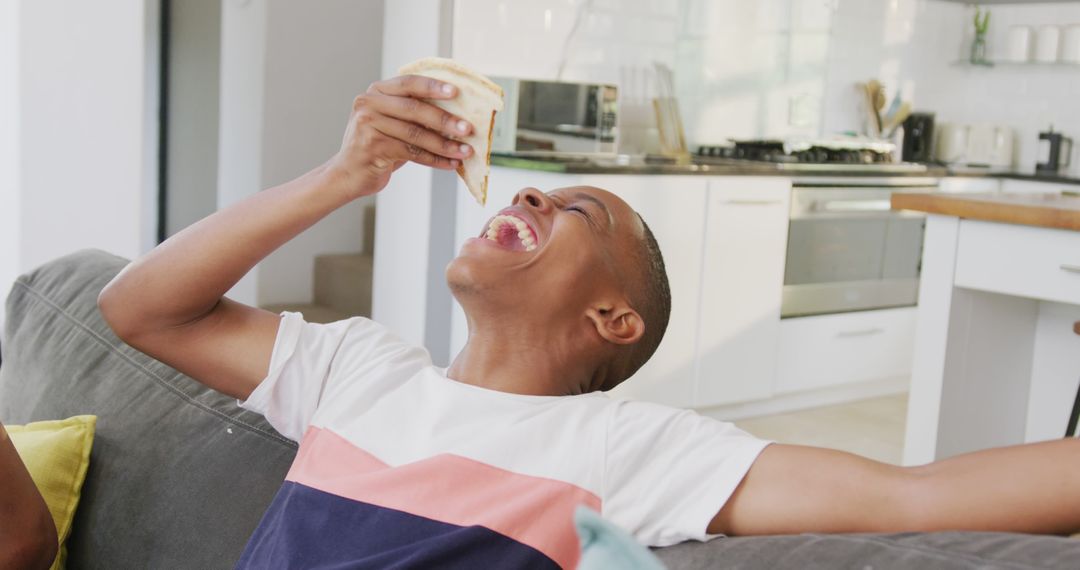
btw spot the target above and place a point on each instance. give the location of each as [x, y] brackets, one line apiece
[481, 465]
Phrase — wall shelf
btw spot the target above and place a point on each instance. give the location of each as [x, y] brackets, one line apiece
[1017, 64]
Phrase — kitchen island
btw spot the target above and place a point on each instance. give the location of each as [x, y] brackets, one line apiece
[997, 358]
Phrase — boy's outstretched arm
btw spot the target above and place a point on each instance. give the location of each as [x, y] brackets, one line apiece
[169, 303]
[1032, 488]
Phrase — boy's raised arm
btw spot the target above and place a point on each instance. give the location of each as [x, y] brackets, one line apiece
[1031, 488]
[170, 302]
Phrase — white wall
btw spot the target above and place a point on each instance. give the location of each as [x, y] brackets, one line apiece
[872, 39]
[739, 66]
[288, 77]
[614, 42]
[83, 133]
[317, 60]
[9, 149]
[240, 115]
[405, 272]
[193, 98]
[78, 150]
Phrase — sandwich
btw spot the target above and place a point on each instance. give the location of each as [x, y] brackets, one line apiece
[477, 102]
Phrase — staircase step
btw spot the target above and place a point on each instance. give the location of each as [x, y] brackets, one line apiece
[343, 282]
[312, 313]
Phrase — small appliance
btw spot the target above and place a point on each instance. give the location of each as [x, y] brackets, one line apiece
[918, 138]
[978, 145]
[556, 118]
[1054, 152]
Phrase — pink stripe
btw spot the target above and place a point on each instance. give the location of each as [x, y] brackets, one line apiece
[534, 511]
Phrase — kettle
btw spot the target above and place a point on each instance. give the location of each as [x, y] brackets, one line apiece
[1055, 150]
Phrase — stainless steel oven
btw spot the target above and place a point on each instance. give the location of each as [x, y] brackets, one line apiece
[848, 250]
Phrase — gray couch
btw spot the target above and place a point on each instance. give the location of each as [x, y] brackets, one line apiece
[180, 476]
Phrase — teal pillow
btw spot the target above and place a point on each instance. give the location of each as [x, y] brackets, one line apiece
[604, 545]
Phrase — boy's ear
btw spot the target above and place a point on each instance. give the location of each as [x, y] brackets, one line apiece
[617, 324]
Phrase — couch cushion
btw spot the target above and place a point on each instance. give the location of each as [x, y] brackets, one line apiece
[937, 551]
[179, 476]
[57, 454]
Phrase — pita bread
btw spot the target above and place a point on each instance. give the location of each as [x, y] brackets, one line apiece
[477, 102]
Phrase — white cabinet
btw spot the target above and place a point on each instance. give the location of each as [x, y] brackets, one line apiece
[742, 281]
[674, 208]
[1025, 261]
[830, 350]
[969, 185]
[1011, 186]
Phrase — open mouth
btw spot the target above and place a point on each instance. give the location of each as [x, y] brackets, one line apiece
[511, 232]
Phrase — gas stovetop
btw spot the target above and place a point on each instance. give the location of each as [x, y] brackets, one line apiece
[852, 154]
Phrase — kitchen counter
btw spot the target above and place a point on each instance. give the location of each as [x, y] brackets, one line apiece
[714, 167]
[1042, 210]
[1061, 178]
[735, 167]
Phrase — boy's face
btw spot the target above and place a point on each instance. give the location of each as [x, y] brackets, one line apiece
[549, 255]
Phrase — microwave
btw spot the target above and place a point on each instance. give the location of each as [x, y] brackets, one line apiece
[556, 118]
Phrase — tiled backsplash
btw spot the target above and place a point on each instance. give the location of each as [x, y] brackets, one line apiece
[777, 67]
[1026, 98]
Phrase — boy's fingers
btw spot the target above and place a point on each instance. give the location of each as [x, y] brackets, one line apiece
[419, 112]
[416, 135]
[416, 86]
[410, 152]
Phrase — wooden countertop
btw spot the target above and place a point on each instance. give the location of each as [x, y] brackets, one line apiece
[1043, 210]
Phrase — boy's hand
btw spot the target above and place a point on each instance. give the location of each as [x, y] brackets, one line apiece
[390, 125]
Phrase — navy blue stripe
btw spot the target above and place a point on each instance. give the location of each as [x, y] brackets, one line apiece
[307, 528]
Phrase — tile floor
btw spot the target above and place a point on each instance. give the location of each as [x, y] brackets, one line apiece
[872, 428]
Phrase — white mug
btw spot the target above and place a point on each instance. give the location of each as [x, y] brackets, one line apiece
[1019, 44]
[1070, 46]
[1046, 44]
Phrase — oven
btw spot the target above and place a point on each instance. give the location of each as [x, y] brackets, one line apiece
[848, 250]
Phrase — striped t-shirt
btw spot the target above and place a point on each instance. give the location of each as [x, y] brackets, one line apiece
[400, 466]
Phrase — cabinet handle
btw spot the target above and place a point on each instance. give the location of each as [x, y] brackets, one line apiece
[1070, 268]
[753, 202]
[860, 332]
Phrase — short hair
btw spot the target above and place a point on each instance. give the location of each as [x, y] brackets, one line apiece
[651, 298]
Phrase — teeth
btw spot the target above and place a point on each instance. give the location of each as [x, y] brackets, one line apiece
[523, 232]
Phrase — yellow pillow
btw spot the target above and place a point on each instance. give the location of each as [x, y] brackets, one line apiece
[56, 454]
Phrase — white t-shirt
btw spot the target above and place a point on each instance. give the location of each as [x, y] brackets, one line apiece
[400, 464]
